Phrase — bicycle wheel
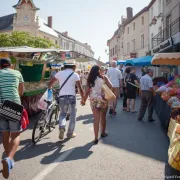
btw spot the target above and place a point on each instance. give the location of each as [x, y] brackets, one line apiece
[39, 128]
[53, 119]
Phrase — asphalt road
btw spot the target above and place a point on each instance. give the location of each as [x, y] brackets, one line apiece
[133, 151]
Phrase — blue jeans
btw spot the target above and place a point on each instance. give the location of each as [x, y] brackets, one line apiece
[67, 104]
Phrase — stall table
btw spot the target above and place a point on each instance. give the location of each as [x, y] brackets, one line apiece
[174, 148]
[163, 111]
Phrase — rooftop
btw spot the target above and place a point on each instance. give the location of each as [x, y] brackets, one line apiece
[6, 22]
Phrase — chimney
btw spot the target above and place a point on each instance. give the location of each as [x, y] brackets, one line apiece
[129, 13]
[66, 34]
[50, 21]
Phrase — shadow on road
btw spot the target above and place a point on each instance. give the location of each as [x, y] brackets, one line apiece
[87, 119]
[31, 151]
[78, 153]
[144, 138]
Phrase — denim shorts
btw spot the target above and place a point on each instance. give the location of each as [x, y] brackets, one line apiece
[11, 126]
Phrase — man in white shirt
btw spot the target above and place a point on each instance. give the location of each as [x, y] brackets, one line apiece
[147, 91]
[67, 97]
[115, 76]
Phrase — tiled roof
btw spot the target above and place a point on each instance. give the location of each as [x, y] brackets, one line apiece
[20, 1]
[6, 22]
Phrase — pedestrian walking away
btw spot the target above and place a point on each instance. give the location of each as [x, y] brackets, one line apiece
[127, 72]
[115, 77]
[131, 83]
[147, 94]
[99, 104]
[11, 88]
[68, 79]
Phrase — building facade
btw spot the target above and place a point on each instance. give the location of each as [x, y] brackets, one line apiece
[136, 35]
[25, 19]
[131, 39]
[168, 40]
[155, 21]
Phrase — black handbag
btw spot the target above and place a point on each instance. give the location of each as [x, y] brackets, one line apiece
[11, 111]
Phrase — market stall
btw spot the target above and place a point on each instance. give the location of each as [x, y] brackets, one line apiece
[167, 106]
[36, 66]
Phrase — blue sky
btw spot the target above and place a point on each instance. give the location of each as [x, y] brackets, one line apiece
[91, 21]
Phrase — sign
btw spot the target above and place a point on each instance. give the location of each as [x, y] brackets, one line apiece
[162, 46]
[133, 55]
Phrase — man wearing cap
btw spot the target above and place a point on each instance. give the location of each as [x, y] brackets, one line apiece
[67, 97]
[11, 88]
[147, 92]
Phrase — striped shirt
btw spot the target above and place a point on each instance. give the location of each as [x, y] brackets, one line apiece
[9, 85]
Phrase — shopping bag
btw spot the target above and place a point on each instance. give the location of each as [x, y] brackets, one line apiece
[42, 104]
[24, 120]
[109, 95]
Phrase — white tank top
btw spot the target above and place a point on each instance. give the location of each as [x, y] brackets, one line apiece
[96, 91]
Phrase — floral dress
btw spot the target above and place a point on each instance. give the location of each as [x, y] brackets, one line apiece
[97, 99]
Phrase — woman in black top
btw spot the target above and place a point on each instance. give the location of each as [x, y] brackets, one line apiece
[127, 72]
[131, 81]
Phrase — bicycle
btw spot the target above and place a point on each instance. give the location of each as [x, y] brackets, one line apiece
[47, 120]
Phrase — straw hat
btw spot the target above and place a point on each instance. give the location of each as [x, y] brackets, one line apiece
[70, 62]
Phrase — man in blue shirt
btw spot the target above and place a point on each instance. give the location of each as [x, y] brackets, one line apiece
[147, 92]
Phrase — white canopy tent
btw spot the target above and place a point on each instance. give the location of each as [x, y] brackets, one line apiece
[26, 49]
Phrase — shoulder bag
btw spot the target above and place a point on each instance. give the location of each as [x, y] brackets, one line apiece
[109, 95]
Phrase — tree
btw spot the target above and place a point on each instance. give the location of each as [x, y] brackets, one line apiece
[24, 39]
[5, 40]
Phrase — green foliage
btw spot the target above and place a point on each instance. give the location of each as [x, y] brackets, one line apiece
[24, 39]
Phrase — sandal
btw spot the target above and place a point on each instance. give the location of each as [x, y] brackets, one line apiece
[127, 110]
[114, 113]
[96, 141]
[134, 112]
[105, 134]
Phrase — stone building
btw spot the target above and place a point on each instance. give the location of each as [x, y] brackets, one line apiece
[131, 39]
[25, 19]
[168, 39]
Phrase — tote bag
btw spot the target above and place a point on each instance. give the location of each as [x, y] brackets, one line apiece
[109, 95]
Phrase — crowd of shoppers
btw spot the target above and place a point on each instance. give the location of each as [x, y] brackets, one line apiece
[90, 84]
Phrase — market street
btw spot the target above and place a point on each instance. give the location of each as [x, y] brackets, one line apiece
[133, 150]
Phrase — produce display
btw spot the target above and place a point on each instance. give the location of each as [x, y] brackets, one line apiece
[170, 93]
[36, 86]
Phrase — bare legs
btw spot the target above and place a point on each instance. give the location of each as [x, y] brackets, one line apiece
[103, 120]
[10, 142]
[132, 102]
[99, 115]
[96, 114]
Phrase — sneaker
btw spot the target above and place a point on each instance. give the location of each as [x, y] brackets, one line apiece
[71, 136]
[61, 133]
[8, 164]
